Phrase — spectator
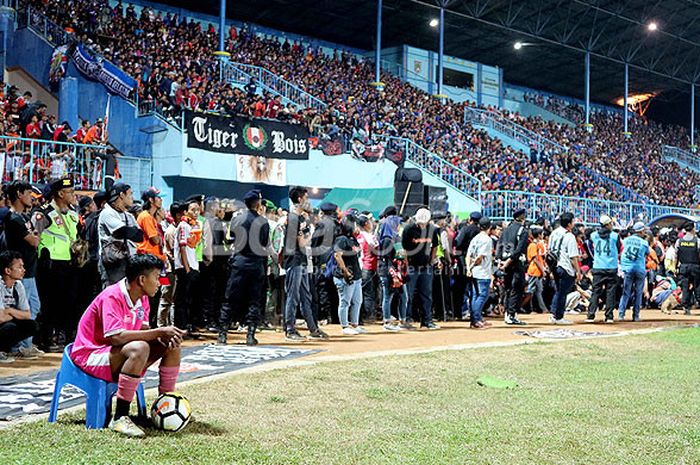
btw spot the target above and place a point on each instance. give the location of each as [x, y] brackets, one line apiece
[348, 278]
[118, 234]
[187, 237]
[16, 323]
[635, 249]
[420, 241]
[562, 243]
[21, 237]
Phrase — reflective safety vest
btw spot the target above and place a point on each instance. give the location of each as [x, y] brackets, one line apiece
[60, 234]
[199, 249]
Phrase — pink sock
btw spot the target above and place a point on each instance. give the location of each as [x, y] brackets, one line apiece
[168, 376]
[126, 387]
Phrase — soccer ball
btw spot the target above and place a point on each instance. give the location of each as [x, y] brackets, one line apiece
[171, 412]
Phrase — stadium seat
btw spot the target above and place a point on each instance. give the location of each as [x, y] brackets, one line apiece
[99, 393]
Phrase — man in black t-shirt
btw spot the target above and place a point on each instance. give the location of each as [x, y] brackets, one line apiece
[420, 241]
[297, 278]
[21, 237]
[466, 233]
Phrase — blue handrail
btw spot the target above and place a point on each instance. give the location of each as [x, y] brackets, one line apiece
[277, 85]
[36, 160]
[436, 165]
[501, 205]
[688, 159]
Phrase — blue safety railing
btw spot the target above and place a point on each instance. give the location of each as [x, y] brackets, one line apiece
[683, 157]
[615, 187]
[234, 72]
[521, 134]
[39, 161]
[434, 164]
[500, 205]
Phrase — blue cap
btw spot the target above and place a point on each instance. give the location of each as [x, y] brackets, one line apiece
[476, 216]
[328, 207]
[249, 196]
[519, 212]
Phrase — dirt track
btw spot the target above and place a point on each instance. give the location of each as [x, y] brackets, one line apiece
[378, 340]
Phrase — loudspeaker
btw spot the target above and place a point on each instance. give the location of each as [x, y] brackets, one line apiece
[436, 198]
[413, 175]
[413, 193]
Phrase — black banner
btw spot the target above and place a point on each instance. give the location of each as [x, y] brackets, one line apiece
[247, 136]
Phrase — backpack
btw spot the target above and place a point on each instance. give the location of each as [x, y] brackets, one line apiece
[552, 257]
[331, 265]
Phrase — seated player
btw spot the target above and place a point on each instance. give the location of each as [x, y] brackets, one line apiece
[114, 342]
[15, 320]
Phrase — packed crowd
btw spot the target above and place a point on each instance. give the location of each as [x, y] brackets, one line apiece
[23, 116]
[171, 58]
[227, 265]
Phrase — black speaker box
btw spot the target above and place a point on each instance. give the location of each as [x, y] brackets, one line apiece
[436, 198]
[413, 175]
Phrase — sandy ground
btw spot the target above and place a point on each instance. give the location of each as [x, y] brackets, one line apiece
[378, 340]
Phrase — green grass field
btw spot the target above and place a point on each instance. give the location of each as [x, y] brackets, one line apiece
[631, 400]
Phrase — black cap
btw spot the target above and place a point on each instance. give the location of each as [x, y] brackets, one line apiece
[84, 202]
[100, 197]
[118, 188]
[518, 213]
[195, 197]
[476, 216]
[63, 183]
[388, 211]
[328, 207]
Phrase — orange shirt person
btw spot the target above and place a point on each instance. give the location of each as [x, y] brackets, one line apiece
[94, 134]
[152, 240]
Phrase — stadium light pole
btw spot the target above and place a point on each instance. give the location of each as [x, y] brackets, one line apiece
[693, 148]
[222, 55]
[222, 24]
[587, 124]
[441, 53]
[626, 132]
[378, 84]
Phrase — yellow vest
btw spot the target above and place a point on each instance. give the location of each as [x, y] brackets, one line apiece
[55, 238]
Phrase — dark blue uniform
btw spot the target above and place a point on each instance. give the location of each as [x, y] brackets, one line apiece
[245, 284]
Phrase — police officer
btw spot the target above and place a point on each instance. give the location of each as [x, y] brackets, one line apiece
[57, 226]
[688, 266]
[511, 252]
[245, 284]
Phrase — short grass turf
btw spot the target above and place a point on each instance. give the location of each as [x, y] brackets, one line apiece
[629, 400]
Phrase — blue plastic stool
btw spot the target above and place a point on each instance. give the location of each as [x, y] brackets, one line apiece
[99, 393]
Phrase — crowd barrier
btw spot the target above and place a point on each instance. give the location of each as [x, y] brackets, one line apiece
[38, 161]
[500, 205]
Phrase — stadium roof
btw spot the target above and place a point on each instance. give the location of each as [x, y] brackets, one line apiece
[556, 33]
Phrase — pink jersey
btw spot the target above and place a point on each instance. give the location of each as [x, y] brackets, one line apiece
[109, 314]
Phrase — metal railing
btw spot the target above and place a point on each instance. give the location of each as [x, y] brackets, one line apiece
[683, 157]
[276, 84]
[500, 205]
[436, 165]
[510, 129]
[39, 23]
[623, 192]
[39, 161]
[137, 172]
